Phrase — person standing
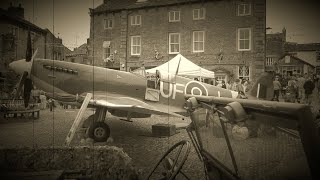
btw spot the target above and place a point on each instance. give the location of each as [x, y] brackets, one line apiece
[51, 104]
[223, 84]
[13, 93]
[300, 82]
[244, 83]
[239, 89]
[292, 89]
[276, 89]
[43, 101]
[308, 89]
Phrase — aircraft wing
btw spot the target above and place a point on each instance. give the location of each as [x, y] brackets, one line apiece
[114, 101]
[124, 103]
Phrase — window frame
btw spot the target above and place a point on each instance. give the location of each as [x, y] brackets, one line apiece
[242, 76]
[199, 12]
[134, 20]
[193, 41]
[174, 16]
[249, 40]
[245, 7]
[106, 23]
[179, 39]
[135, 45]
[105, 52]
[270, 61]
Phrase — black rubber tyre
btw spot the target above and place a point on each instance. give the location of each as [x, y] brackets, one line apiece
[99, 131]
[87, 122]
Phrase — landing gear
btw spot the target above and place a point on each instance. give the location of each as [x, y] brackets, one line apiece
[99, 131]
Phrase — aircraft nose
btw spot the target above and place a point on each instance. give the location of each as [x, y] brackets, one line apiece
[18, 66]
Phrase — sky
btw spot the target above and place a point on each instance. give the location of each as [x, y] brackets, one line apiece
[72, 21]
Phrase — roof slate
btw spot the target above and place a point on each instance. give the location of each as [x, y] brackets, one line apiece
[117, 5]
[5, 15]
[302, 47]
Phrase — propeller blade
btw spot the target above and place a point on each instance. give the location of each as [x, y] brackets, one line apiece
[21, 83]
[29, 48]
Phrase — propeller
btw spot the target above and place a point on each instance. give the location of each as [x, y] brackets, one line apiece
[25, 79]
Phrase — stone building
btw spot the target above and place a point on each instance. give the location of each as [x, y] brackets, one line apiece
[13, 39]
[79, 55]
[226, 36]
[291, 58]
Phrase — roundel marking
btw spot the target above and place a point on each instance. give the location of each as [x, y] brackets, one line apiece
[194, 86]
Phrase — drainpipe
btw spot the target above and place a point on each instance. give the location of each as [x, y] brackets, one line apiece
[127, 29]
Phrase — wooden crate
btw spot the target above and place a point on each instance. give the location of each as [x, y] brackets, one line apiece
[161, 130]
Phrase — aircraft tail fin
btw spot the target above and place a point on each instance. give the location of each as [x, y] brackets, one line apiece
[262, 87]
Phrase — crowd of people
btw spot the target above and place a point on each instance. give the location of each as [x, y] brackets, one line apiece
[36, 97]
[295, 88]
[239, 85]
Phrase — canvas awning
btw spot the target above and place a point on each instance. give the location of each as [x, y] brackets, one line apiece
[186, 68]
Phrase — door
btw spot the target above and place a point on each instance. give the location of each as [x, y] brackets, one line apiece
[152, 90]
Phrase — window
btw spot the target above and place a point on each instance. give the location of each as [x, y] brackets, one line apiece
[174, 43]
[291, 70]
[106, 50]
[318, 55]
[287, 59]
[136, 20]
[174, 16]
[108, 23]
[15, 31]
[244, 9]
[199, 14]
[135, 45]
[269, 61]
[244, 72]
[244, 39]
[198, 41]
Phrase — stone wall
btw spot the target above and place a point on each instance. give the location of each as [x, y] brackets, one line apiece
[100, 162]
[220, 25]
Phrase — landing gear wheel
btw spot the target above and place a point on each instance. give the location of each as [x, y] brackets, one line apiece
[99, 131]
[173, 166]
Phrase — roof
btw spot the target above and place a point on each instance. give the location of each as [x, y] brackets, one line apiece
[118, 5]
[296, 58]
[6, 16]
[275, 36]
[302, 47]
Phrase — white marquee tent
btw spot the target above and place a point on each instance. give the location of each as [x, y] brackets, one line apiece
[186, 68]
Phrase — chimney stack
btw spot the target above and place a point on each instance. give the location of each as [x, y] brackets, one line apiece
[16, 11]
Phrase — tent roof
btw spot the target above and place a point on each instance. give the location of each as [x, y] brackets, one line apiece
[186, 68]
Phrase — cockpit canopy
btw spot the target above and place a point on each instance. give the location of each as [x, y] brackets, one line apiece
[163, 76]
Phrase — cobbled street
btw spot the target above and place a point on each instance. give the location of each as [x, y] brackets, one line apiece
[134, 137]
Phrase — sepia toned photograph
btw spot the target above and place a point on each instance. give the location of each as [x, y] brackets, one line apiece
[159, 89]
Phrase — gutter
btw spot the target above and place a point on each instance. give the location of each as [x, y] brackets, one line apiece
[127, 41]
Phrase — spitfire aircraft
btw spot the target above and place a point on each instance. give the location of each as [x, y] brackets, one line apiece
[123, 94]
[134, 95]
